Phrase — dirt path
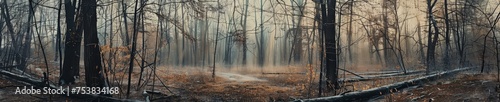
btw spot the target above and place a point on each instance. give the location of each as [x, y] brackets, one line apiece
[239, 77]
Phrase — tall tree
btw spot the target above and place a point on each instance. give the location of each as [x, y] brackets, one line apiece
[133, 50]
[59, 49]
[330, 45]
[27, 39]
[447, 37]
[124, 13]
[71, 65]
[349, 32]
[388, 58]
[216, 39]
[92, 57]
[262, 47]
[244, 34]
[432, 38]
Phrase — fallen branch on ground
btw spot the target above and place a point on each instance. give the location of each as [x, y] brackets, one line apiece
[369, 78]
[374, 92]
[283, 73]
[351, 73]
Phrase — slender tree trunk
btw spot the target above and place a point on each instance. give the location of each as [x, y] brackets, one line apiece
[420, 44]
[322, 46]
[133, 50]
[244, 60]
[493, 25]
[177, 42]
[143, 56]
[27, 40]
[457, 35]
[432, 38]
[262, 48]
[124, 12]
[216, 39]
[15, 37]
[111, 36]
[447, 37]
[59, 37]
[349, 36]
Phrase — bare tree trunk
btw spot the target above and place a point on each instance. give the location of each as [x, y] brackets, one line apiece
[349, 35]
[14, 37]
[27, 40]
[93, 68]
[493, 25]
[458, 38]
[133, 50]
[177, 42]
[432, 41]
[143, 55]
[387, 56]
[331, 47]
[59, 37]
[71, 63]
[244, 60]
[420, 44]
[124, 12]
[216, 39]
[446, 59]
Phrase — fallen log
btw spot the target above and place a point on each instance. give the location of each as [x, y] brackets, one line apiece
[374, 92]
[37, 83]
[7, 67]
[377, 78]
[351, 73]
[378, 73]
[369, 78]
[283, 73]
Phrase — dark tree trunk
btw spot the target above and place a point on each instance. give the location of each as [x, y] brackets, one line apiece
[92, 57]
[124, 12]
[432, 38]
[349, 36]
[447, 37]
[27, 40]
[72, 44]
[331, 46]
[59, 37]
[388, 58]
[133, 50]
[14, 37]
[245, 47]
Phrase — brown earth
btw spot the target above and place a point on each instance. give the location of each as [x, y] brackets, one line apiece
[463, 88]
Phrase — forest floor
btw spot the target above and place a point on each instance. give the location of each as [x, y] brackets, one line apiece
[470, 87]
[250, 84]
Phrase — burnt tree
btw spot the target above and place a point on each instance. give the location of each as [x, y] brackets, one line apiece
[70, 70]
[330, 44]
[433, 37]
[92, 59]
